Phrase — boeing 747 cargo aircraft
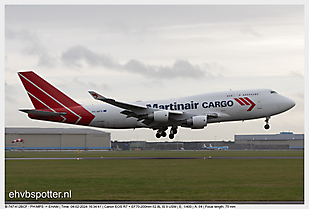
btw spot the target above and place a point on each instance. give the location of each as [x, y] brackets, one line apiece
[193, 112]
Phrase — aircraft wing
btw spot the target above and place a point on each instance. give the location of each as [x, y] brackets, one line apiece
[136, 111]
[123, 105]
[128, 106]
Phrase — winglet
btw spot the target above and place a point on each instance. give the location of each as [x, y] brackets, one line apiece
[96, 95]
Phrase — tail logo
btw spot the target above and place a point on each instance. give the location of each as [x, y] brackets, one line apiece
[95, 95]
[47, 98]
[245, 101]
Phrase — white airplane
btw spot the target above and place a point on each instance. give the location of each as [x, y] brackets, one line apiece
[193, 112]
[213, 148]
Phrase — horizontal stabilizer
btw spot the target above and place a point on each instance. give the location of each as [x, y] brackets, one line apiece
[43, 113]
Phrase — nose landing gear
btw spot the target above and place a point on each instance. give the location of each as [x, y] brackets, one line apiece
[267, 126]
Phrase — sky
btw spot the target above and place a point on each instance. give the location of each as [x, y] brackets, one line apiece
[135, 52]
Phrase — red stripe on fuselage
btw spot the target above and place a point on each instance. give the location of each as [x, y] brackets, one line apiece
[243, 100]
[251, 102]
[239, 102]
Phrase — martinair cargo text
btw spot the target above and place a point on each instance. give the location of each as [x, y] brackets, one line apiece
[193, 112]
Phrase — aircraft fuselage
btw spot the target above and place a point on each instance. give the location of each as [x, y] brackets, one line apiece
[229, 105]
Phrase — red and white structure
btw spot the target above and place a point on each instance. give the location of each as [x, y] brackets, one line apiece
[21, 141]
[17, 140]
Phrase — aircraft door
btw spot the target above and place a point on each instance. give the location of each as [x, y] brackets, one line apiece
[235, 94]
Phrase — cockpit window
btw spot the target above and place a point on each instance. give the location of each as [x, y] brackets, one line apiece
[273, 92]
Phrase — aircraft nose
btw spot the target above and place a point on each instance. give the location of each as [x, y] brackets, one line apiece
[291, 103]
[287, 104]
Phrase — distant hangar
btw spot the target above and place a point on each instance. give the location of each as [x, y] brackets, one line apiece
[91, 139]
[284, 140]
[57, 139]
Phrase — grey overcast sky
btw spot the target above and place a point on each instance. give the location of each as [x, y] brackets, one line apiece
[145, 52]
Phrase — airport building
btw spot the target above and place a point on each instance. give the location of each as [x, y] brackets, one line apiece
[57, 139]
[282, 141]
[90, 139]
[170, 145]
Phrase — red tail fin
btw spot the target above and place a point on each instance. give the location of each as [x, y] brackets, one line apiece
[46, 98]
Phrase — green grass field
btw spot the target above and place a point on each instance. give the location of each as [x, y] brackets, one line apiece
[145, 180]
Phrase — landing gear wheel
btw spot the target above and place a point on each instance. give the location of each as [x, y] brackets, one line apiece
[267, 126]
[174, 130]
[171, 136]
[163, 134]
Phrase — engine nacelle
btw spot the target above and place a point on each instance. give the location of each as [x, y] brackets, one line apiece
[159, 116]
[197, 122]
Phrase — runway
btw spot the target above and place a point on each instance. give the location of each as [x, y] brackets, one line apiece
[151, 158]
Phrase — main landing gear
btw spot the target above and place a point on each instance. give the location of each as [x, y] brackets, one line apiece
[172, 133]
[159, 134]
[267, 126]
[162, 133]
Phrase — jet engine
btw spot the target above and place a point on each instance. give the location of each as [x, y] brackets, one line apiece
[159, 116]
[197, 122]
